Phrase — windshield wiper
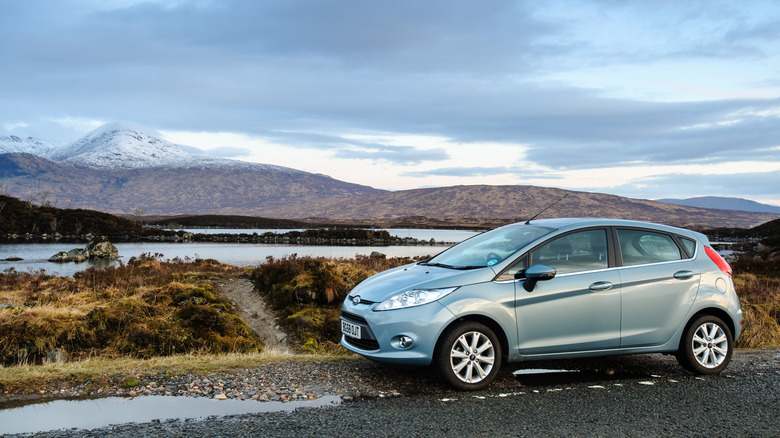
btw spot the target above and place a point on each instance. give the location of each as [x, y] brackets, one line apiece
[441, 265]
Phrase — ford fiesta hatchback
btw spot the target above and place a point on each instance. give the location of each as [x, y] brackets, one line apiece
[556, 288]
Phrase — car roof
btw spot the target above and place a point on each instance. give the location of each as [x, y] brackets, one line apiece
[579, 222]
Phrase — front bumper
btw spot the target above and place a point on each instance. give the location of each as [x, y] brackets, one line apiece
[381, 332]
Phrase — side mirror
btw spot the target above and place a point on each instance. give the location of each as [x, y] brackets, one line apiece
[535, 274]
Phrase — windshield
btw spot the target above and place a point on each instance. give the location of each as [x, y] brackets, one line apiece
[488, 248]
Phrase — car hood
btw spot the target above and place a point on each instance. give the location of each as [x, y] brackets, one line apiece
[394, 281]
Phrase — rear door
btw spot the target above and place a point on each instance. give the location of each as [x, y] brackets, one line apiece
[659, 281]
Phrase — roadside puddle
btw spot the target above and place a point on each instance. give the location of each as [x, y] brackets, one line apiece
[548, 377]
[102, 412]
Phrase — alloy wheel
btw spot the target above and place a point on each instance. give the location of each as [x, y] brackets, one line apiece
[472, 357]
[710, 345]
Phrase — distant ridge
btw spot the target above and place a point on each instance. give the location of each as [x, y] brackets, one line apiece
[724, 203]
[514, 203]
[127, 169]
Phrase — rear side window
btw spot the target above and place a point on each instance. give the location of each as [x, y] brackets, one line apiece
[576, 252]
[690, 245]
[640, 247]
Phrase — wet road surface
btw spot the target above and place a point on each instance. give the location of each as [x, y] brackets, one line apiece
[646, 395]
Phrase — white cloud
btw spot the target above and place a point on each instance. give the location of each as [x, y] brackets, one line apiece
[80, 124]
[407, 94]
[13, 125]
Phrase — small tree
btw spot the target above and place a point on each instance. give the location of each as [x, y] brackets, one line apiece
[43, 199]
[138, 215]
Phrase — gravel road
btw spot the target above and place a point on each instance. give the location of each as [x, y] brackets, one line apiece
[647, 395]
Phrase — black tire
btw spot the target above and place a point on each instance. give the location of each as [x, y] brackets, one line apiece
[706, 346]
[469, 356]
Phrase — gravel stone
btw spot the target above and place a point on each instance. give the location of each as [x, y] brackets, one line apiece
[604, 397]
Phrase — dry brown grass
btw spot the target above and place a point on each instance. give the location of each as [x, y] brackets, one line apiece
[760, 301]
[143, 309]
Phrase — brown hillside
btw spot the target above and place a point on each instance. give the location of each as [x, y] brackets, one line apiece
[236, 190]
[513, 203]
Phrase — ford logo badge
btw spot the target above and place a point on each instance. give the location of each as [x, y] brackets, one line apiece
[356, 299]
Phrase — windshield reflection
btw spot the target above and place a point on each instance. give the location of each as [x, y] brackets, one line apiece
[488, 248]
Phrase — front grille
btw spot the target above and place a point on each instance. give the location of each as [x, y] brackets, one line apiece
[362, 300]
[354, 318]
[363, 344]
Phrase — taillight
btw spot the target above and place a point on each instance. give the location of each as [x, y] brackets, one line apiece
[715, 257]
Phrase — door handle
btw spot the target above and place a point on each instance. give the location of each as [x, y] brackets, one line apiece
[683, 275]
[600, 286]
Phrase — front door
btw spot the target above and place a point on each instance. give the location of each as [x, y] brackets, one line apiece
[579, 309]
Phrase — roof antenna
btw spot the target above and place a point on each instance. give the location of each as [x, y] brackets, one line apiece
[528, 222]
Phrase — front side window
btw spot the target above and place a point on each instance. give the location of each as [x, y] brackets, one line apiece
[640, 247]
[576, 252]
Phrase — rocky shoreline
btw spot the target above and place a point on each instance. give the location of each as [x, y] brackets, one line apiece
[266, 238]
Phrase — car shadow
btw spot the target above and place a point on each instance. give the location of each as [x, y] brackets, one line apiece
[518, 375]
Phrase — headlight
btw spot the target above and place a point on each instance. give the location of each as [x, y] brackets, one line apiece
[414, 297]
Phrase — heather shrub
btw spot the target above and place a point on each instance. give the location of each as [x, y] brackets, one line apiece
[307, 292]
[143, 309]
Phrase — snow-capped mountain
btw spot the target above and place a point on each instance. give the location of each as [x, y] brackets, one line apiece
[119, 168]
[29, 145]
[125, 146]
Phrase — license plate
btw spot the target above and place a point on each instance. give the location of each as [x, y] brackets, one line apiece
[350, 329]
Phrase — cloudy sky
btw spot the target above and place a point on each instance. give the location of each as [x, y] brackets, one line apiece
[636, 98]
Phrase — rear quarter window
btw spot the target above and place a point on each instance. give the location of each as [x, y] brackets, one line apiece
[689, 244]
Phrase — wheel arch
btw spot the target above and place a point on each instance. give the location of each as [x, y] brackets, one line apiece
[490, 323]
[711, 311]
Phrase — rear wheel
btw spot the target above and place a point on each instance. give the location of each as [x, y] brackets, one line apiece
[469, 356]
[706, 346]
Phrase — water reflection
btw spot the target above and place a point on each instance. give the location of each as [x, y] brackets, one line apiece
[450, 236]
[96, 413]
[36, 255]
[547, 377]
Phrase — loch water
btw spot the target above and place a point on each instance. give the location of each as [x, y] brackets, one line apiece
[35, 255]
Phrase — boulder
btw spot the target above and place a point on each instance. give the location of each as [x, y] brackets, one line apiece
[60, 257]
[77, 255]
[14, 259]
[96, 249]
[101, 249]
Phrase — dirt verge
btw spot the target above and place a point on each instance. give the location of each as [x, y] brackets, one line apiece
[252, 308]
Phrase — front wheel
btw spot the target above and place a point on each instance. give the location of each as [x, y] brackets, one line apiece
[469, 356]
[706, 346]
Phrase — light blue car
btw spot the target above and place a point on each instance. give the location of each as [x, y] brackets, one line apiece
[545, 289]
